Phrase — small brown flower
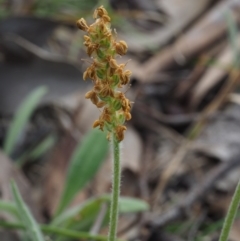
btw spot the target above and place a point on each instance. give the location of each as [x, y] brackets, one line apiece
[98, 123]
[91, 48]
[86, 38]
[106, 91]
[94, 98]
[99, 12]
[98, 86]
[100, 104]
[89, 73]
[128, 116]
[125, 77]
[102, 28]
[106, 115]
[87, 41]
[125, 105]
[120, 132]
[120, 68]
[113, 63]
[81, 23]
[89, 94]
[121, 47]
[106, 18]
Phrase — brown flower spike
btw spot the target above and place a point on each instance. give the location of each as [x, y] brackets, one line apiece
[108, 76]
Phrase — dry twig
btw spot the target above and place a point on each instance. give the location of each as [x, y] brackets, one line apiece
[196, 194]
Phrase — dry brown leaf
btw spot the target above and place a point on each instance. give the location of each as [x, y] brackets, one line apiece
[208, 30]
[185, 87]
[214, 75]
[229, 181]
[220, 138]
[181, 14]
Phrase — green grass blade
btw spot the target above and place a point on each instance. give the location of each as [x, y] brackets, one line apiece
[231, 214]
[84, 164]
[87, 212]
[132, 205]
[21, 118]
[27, 219]
[37, 152]
[128, 204]
[8, 207]
[83, 210]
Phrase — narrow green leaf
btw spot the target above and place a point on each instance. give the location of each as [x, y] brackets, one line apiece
[80, 217]
[85, 213]
[8, 207]
[21, 118]
[129, 204]
[84, 164]
[82, 210]
[28, 221]
[132, 205]
[37, 152]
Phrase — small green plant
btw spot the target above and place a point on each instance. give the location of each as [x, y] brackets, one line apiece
[108, 77]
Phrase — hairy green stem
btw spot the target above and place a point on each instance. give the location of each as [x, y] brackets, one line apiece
[231, 214]
[115, 190]
[59, 231]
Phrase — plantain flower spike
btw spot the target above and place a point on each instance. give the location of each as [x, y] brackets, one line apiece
[108, 76]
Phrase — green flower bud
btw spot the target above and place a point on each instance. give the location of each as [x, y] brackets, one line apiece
[115, 79]
[105, 43]
[121, 119]
[108, 126]
[100, 73]
[117, 105]
[106, 99]
[100, 54]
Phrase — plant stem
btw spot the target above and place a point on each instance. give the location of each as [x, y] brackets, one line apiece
[231, 214]
[115, 190]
